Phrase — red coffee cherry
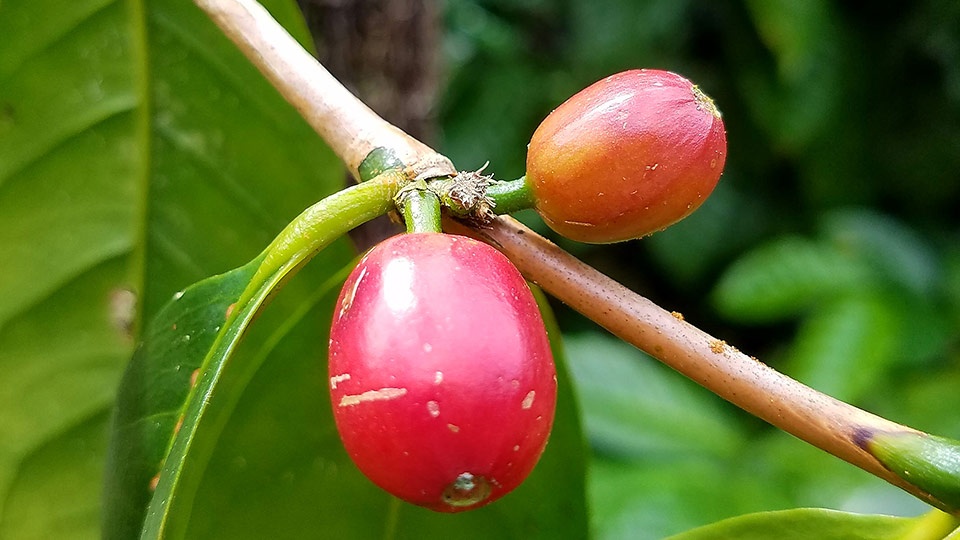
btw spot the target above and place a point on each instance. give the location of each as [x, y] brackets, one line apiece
[626, 157]
[441, 377]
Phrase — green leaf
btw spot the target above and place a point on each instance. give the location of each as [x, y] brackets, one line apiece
[690, 251]
[67, 227]
[650, 498]
[784, 277]
[230, 162]
[60, 357]
[139, 152]
[158, 401]
[222, 381]
[182, 381]
[846, 346]
[154, 390]
[805, 38]
[894, 250]
[633, 406]
[803, 524]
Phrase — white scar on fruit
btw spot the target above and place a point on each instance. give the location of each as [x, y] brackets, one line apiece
[528, 400]
[337, 379]
[383, 394]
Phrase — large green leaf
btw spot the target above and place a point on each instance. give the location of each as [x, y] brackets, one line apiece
[231, 163]
[782, 278]
[805, 523]
[67, 228]
[138, 152]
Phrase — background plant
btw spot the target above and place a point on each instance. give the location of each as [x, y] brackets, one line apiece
[830, 241]
[828, 249]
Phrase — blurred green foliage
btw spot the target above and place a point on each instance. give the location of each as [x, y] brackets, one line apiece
[829, 249]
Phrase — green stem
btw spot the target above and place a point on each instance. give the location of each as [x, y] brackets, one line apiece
[326, 221]
[421, 210]
[511, 195]
[928, 461]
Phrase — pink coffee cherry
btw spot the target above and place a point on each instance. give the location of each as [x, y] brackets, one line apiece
[441, 377]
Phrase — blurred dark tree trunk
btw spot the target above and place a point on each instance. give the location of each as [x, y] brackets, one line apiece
[387, 53]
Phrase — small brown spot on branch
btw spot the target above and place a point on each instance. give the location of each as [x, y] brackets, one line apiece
[718, 346]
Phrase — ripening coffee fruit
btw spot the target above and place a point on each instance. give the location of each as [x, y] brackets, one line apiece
[626, 157]
[441, 377]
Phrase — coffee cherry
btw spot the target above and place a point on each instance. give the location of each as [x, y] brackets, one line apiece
[626, 157]
[441, 376]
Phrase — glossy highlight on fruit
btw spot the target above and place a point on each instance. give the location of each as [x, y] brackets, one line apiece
[441, 377]
[626, 157]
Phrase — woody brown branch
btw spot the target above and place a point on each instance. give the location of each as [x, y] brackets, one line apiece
[821, 420]
[350, 128]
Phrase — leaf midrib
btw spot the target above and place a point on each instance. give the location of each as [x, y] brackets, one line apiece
[141, 76]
